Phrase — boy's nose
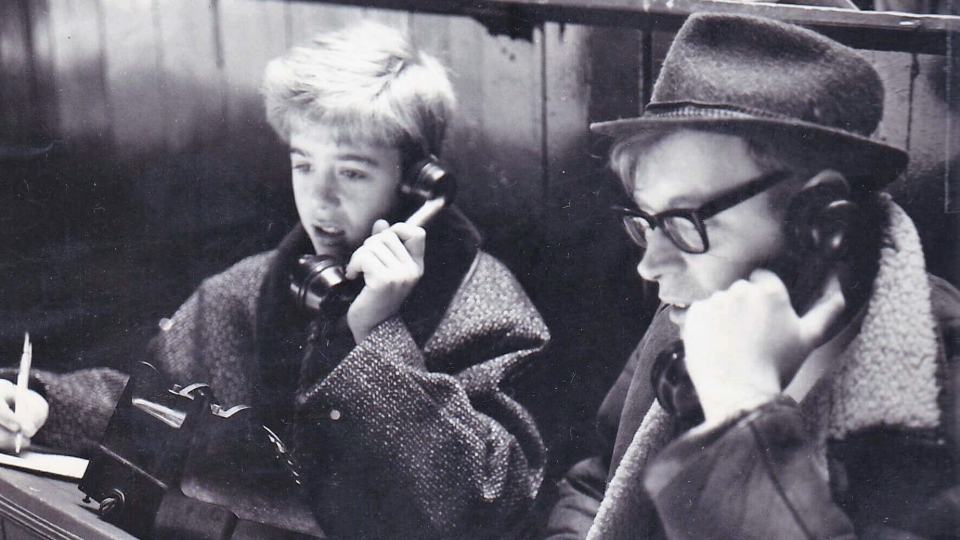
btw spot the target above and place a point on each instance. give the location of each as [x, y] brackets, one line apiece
[327, 188]
[659, 256]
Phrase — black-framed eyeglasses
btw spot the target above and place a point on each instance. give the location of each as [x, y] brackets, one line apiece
[684, 226]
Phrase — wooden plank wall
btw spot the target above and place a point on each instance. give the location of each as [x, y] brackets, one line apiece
[165, 170]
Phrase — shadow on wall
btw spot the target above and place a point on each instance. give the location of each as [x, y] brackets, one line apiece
[576, 263]
[97, 248]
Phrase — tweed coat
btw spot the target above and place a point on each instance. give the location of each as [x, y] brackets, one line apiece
[408, 434]
[871, 452]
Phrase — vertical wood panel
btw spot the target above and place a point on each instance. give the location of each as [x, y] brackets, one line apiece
[928, 130]
[18, 108]
[918, 118]
[894, 69]
[933, 147]
[78, 63]
[567, 103]
[133, 74]
[306, 20]
[497, 141]
[432, 34]
[393, 17]
[512, 113]
[574, 254]
[47, 113]
[193, 100]
[252, 34]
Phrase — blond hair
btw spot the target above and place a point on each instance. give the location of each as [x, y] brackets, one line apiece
[368, 83]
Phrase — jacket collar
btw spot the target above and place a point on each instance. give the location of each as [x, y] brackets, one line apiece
[888, 374]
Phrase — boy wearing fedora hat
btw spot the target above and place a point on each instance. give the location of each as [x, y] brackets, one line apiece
[800, 377]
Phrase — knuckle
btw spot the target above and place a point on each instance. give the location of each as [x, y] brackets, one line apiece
[390, 235]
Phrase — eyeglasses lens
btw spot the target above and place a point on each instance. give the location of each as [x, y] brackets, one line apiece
[636, 228]
[684, 234]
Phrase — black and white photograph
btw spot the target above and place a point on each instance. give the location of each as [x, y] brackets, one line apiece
[479, 269]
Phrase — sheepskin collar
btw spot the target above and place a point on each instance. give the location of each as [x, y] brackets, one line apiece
[887, 376]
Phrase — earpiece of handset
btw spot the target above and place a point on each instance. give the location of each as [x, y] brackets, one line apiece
[820, 217]
[431, 182]
[821, 220]
[674, 388]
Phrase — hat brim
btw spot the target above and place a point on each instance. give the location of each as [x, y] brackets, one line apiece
[872, 163]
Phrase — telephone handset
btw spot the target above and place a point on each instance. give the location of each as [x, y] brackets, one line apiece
[818, 221]
[318, 283]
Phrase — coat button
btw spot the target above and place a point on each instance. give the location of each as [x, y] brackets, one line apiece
[334, 414]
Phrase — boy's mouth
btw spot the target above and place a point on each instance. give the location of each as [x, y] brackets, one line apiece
[329, 230]
[329, 235]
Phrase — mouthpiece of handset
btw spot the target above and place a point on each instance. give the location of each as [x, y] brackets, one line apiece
[673, 387]
[319, 284]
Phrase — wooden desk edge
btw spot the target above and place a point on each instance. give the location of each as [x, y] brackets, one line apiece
[46, 508]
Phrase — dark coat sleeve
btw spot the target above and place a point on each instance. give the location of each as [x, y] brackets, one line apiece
[189, 349]
[755, 477]
[393, 443]
[81, 403]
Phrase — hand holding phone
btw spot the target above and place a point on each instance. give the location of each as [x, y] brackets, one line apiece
[391, 263]
[744, 344]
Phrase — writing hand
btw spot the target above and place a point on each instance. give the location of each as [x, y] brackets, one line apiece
[28, 419]
[744, 344]
[391, 261]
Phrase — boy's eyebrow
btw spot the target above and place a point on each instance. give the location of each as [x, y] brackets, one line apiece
[346, 156]
[359, 157]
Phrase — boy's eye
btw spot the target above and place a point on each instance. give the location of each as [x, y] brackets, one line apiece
[352, 174]
[302, 168]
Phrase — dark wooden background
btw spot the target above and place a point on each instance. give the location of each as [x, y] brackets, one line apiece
[162, 171]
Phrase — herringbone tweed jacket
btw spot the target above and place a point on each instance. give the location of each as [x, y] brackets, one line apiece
[408, 434]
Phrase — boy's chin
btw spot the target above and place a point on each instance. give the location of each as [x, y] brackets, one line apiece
[677, 315]
[323, 246]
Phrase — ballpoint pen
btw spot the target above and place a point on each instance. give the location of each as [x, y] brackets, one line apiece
[23, 378]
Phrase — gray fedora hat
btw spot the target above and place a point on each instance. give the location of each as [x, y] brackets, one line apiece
[739, 74]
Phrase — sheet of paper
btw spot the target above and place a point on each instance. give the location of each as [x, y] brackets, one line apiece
[55, 464]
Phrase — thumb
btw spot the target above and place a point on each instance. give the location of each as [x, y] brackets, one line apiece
[818, 320]
[379, 226]
[354, 267]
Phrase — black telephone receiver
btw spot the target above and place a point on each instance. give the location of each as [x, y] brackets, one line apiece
[318, 283]
[818, 221]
